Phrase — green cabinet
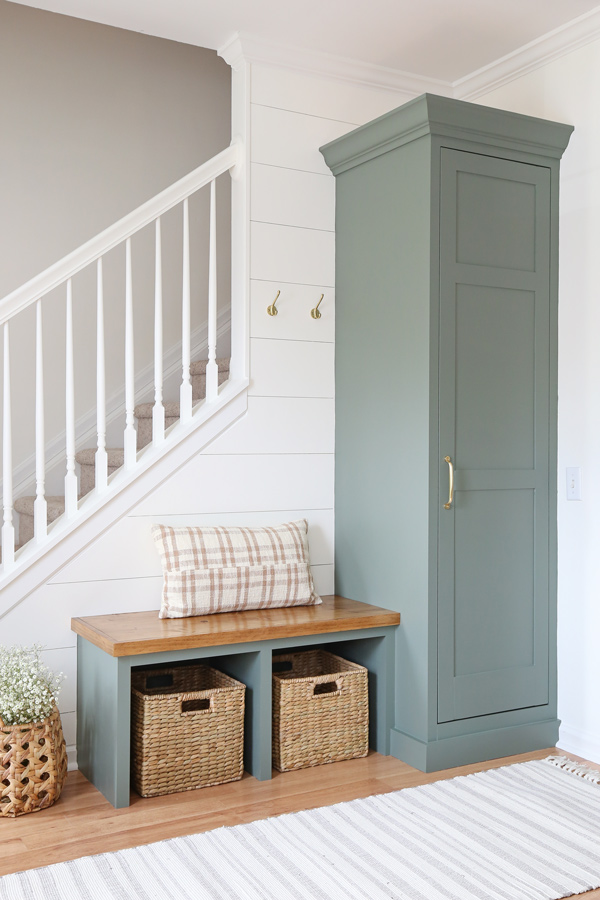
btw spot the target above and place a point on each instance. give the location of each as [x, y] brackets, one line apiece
[446, 358]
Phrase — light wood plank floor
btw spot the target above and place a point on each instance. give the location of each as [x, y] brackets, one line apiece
[84, 823]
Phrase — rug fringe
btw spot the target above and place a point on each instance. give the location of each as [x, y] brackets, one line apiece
[579, 769]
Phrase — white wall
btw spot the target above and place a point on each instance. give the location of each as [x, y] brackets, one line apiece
[277, 463]
[567, 91]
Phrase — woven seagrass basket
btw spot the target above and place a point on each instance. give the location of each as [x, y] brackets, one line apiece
[187, 729]
[33, 765]
[320, 709]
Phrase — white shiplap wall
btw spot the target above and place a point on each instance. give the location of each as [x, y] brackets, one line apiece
[276, 464]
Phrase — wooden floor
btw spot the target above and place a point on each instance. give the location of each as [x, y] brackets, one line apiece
[83, 822]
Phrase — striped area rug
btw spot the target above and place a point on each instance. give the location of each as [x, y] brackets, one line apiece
[529, 831]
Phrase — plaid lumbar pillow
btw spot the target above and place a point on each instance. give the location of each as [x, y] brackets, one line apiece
[212, 569]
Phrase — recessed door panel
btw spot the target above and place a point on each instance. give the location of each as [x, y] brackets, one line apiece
[495, 377]
[494, 409]
[494, 580]
[495, 219]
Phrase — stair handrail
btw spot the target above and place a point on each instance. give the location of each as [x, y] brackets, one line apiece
[115, 234]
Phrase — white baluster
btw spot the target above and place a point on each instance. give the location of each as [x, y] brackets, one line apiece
[158, 410]
[212, 372]
[8, 530]
[70, 477]
[130, 432]
[40, 507]
[185, 393]
[101, 457]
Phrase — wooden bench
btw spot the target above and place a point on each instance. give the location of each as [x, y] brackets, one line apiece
[240, 644]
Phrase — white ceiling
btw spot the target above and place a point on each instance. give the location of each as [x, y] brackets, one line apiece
[437, 39]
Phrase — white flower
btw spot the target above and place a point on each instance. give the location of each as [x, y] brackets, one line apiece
[28, 689]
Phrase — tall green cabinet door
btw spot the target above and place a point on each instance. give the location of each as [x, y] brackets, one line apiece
[446, 365]
[493, 412]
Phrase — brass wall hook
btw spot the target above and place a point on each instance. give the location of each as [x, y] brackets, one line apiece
[315, 312]
[272, 309]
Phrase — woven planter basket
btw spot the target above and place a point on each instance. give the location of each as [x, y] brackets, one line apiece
[33, 765]
[187, 729]
[320, 709]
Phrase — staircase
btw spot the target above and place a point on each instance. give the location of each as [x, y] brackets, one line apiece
[101, 482]
[87, 458]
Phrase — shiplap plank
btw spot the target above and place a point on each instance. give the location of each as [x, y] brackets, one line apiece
[287, 253]
[288, 197]
[323, 579]
[341, 100]
[293, 321]
[64, 659]
[291, 369]
[48, 611]
[291, 139]
[281, 425]
[142, 559]
[244, 483]
[97, 598]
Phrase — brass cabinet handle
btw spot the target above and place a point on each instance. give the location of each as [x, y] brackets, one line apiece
[451, 477]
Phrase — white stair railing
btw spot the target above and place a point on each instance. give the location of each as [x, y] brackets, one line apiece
[70, 477]
[8, 530]
[40, 509]
[129, 436]
[101, 457]
[211, 366]
[62, 274]
[158, 410]
[185, 395]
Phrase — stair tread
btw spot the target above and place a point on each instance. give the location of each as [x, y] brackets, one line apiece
[144, 410]
[198, 367]
[87, 457]
[56, 506]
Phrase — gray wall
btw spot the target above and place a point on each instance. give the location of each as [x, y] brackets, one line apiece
[93, 121]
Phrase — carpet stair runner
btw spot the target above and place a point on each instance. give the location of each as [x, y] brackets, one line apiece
[87, 458]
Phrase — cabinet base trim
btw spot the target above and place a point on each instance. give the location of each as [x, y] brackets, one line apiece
[431, 756]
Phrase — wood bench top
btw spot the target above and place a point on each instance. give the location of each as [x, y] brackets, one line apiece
[131, 634]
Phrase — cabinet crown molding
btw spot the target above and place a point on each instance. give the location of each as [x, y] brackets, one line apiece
[433, 115]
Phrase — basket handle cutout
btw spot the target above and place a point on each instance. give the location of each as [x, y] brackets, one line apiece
[327, 687]
[153, 682]
[283, 665]
[201, 705]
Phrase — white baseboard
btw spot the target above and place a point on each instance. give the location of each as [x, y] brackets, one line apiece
[580, 743]
[72, 754]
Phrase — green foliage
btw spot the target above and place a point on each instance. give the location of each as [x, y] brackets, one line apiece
[28, 688]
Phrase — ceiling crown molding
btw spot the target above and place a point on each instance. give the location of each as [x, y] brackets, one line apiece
[244, 47]
[543, 50]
